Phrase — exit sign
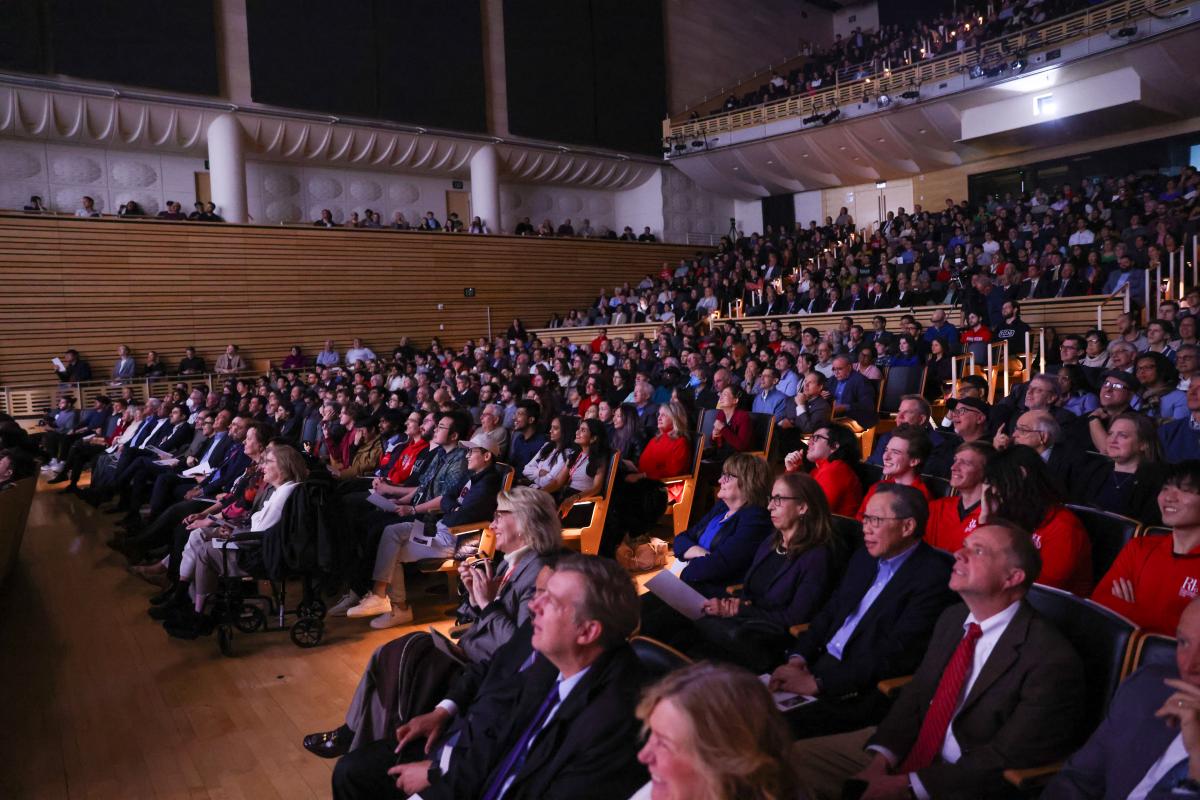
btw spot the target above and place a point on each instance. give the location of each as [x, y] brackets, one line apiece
[469, 291]
[456, 184]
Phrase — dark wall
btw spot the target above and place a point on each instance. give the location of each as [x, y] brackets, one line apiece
[779, 212]
[589, 72]
[904, 13]
[414, 62]
[169, 46]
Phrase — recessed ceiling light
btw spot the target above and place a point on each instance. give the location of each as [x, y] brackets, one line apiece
[921, 130]
[843, 147]
[770, 162]
[735, 169]
[856, 158]
[804, 155]
[880, 139]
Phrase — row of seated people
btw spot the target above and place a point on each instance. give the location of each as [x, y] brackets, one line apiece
[77, 369]
[884, 605]
[1094, 238]
[865, 54]
[641, 390]
[202, 211]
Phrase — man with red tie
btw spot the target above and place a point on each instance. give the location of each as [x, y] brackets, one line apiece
[999, 688]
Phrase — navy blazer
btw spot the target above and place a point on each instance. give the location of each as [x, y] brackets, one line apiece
[796, 592]
[892, 636]
[480, 501]
[859, 398]
[1179, 441]
[730, 552]
[1125, 746]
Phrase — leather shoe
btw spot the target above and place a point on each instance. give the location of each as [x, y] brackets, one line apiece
[330, 744]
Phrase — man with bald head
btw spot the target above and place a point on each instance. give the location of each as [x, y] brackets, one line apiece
[1068, 465]
[851, 394]
[1149, 744]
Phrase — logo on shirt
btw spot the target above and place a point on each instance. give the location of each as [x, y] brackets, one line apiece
[974, 523]
[1037, 541]
[1190, 588]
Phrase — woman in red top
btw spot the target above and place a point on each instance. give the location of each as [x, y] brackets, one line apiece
[402, 464]
[669, 453]
[733, 431]
[1018, 487]
[834, 452]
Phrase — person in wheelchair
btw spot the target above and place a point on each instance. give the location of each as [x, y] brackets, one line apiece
[283, 469]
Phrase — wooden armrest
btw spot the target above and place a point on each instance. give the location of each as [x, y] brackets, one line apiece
[734, 589]
[892, 686]
[1032, 777]
[796, 630]
[468, 528]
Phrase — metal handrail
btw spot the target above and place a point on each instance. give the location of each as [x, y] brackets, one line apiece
[1065, 29]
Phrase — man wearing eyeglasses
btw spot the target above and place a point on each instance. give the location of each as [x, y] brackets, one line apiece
[876, 625]
[1118, 394]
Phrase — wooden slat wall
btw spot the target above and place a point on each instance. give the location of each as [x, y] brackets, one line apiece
[94, 284]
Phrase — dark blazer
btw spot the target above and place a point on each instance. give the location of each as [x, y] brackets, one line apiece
[485, 690]
[1125, 746]
[588, 749]
[176, 440]
[1179, 441]
[892, 636]
[1045, 288]
[796, 592]
[235, 463]
[1142, 501]
[859, 397]
[730, 552]
[1024, 710]
[1069, 287]
[480, 502]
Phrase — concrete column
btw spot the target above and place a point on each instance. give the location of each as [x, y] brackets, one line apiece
[485, 187]
[495, 77]
[227, 167]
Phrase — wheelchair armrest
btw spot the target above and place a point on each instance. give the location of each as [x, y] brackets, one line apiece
[1032, 777]
[247, 537]
[892, 686]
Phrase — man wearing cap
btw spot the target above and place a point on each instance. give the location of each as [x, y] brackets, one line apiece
[429, 536]
[969, 415]
[968, 386]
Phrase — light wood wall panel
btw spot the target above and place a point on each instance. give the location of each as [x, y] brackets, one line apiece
[94, 284]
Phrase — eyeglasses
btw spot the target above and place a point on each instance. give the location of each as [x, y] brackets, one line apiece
[1024, 430]
[819, 437]
[727, 476]
[873, 521]
[1114, 386]
[776, 499]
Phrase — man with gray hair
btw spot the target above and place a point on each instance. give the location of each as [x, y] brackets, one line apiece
[1121, 355]
[1039, 393]
[1068, 465]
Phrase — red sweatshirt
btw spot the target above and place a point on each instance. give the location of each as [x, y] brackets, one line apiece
[917, 484]
[947, 529]
[842, 487]
[1066, 552]
[1164, 582]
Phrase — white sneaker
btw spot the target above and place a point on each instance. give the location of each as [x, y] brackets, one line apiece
[348, 601]
[370, 606]
[397, 616]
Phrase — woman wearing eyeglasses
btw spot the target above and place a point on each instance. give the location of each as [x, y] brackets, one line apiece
[834, 452]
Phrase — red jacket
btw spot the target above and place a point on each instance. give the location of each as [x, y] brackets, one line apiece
[1164, 582]
[403, 464]
[665, 457]
[946, 530]
[738, 432]
[841, 485]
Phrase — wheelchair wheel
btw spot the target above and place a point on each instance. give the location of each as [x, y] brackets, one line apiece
[250, 619]
[313, 608]
[307, 632]
[225, 639]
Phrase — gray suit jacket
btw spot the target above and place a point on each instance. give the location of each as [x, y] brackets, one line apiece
[497, 623]
[1125, 745]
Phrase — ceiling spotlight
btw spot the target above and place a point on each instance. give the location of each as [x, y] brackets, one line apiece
[883, 101]
[975, 72]
[911, 94]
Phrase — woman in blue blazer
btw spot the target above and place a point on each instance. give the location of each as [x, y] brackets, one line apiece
[719, 548]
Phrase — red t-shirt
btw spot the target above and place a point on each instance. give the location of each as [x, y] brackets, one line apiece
[1066, 552]
[917, 484]
[968, 336]
[403, 465]
[1164, 582]
[842, 487]
[948, 527]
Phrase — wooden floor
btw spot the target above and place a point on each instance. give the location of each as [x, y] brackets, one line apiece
[97, 702]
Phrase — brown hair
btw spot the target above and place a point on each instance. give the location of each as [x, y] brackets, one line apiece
[817, 523]
[753, 476]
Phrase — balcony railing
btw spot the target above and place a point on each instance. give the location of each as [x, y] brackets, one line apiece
[896, 81]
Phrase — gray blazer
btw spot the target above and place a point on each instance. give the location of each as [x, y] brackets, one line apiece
[497, 623]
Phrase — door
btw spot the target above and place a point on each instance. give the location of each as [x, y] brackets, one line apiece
[203, 188]
[459, 203]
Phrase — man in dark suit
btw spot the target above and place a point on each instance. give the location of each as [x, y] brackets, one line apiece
[1067, 284]
[1148, 745]
[1035, 287]
[851, 394]
[816, 302]
[876, 625]
[571, 731]
[998, 688]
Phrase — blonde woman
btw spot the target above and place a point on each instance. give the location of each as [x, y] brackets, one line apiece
[713, 733]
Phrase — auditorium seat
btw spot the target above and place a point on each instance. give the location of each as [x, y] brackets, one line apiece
[1108, 533]
[657, 658]
[1154, 649]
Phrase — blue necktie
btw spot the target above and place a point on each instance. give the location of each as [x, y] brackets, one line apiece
[516, 756]
[1174, 775]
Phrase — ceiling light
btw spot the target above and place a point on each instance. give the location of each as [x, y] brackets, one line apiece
[880, 140]
[804, 155]
[975, 72]
[842, 147]
[883, 101]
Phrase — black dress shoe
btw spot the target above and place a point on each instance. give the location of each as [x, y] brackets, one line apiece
[330, 744]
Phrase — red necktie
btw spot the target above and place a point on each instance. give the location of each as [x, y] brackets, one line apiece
[945, 701]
